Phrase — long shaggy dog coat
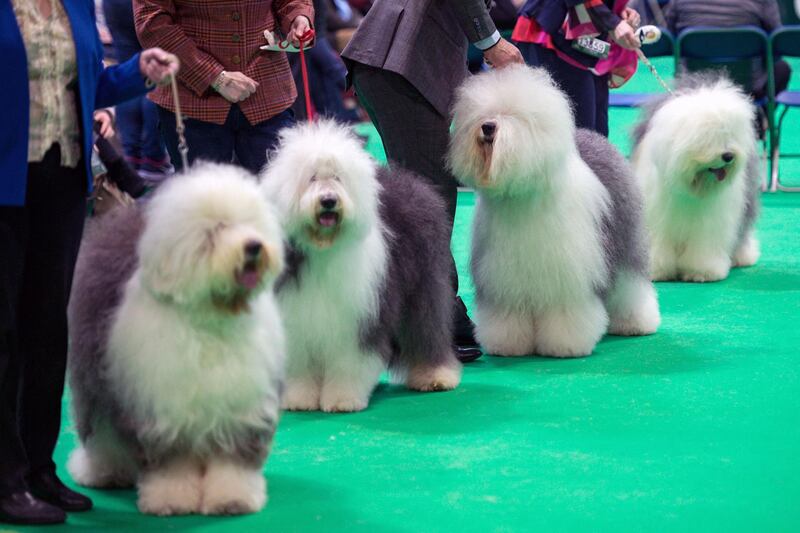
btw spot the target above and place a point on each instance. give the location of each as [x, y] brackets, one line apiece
[696, 154]
[368, 284]
[558, 251]
[177, 352]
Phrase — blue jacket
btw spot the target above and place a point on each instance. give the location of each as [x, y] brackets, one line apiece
[97, 87]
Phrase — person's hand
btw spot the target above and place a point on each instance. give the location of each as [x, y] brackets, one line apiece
[625, 36]
[158, 66]
[235, 86]
[502, 54]
[632, 17]
[300, 26]
[105, 123]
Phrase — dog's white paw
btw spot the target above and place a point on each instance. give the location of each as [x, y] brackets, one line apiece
[633, 307]
[348, 387]
[748, 253]
[572, 332]
[504, 334]
[506, 349]
[662, 265]
[701, 269]
[438, 378]
[173, 490]
[663, 274]
[301, 396]
[344, 398]
[231, 489]
[704, 276]
[343, 402]
[636, 325]
[554, 347]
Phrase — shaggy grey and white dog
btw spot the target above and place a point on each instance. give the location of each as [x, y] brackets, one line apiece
[696, 154]
[558, 255]
[368, 282]
[177, 349]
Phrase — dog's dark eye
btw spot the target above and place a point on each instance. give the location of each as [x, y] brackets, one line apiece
[336, 178]
[313, 178]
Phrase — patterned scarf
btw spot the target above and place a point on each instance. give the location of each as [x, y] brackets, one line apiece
[576, 22]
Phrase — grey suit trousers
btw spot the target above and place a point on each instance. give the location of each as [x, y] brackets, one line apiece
[415, 136]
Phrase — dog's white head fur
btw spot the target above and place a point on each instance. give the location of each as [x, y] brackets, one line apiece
[701, 139]
[513, 131]
[210, 238]
[323, 185]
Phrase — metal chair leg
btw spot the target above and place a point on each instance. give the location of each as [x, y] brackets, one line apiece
[775, 167]
[776, 178]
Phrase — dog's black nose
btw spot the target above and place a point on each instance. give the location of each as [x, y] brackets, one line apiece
[328, 202]
[488, 128]
[727, 157]
[252, 249]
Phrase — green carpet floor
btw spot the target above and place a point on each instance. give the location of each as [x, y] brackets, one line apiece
[696, 428]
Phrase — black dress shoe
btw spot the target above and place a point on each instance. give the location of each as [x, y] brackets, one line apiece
[23, 508]
[48, 487]
[466, 347]
[467, 354]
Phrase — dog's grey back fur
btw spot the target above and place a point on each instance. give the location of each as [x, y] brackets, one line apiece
[106, 262]
[417, 299]
[623, 229]
[650, 107]
[752, 199]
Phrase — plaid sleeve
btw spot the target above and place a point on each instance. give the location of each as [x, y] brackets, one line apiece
[155, 26]
[603, 18]
[288, 10]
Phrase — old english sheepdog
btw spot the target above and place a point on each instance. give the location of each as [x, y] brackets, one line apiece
[177, 352]
[696, 155]
[367, 285]
[559, 256]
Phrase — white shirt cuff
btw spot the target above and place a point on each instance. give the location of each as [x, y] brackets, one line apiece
[485, 44]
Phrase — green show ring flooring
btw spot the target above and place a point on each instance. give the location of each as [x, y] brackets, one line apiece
[696, 428]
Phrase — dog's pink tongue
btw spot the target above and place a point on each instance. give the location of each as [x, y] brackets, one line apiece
[249, 279]
[720, 173]
[328, 219]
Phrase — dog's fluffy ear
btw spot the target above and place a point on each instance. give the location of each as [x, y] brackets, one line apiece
[166, 266]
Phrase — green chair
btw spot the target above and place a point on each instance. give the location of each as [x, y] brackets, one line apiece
[789, 14]
[783, 42]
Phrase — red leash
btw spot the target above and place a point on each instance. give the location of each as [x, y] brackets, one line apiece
[307, 37]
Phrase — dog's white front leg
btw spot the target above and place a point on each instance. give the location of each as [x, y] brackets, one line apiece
[701, 264]
[749, 251]
[571, 331]
[303, 382]
[349, 381]
[503, 333]
[663, 262]
[231, 488]
[426, 377]
[302, 394]
[172, 489]
[633, 306]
